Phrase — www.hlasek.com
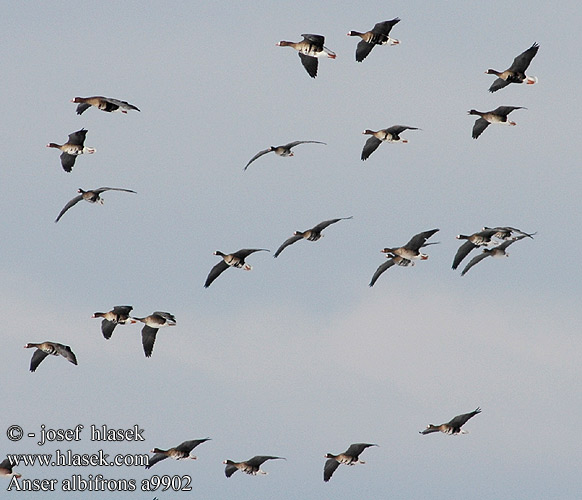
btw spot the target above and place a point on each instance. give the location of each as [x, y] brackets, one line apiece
[68, 458]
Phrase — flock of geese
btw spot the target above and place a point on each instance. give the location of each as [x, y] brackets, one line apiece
[494, 241]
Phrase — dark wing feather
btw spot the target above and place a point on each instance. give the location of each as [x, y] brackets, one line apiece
[245, 252]
[419, 240]
[473, 261]
[188, 446]
[66, 352]
[355, 449]
[295, 143]
[371, 145]
[462, 252]
[460, 420]
[363, 49]
[71, 203]
[317, 40]
[398, 129]
[37, 357]
[480, 125]
[384, 27]
[215, 272]
[505, 110]
[322, 225]
[103, 189]
[309, 63]
[229, 470]
[522, 61]
[258, 155]
[122, 310]
[107, 328]
[329, 468]
[68, 161]
[120, 104]
[286, 243]
[498, 84]
[82, 107]
[77, 138]
[158, 457]
[381, 268]
[260, 459]
[506, 243]
[148, 338]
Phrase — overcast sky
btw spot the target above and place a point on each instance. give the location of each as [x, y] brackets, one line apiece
[298, 357]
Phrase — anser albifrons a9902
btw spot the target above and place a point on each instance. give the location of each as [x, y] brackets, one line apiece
[43, 349]
[107, 104]
[251, 466]
[119, 315]
[454, 426]
[284, 150]
[312, 234]
[310, 49]
[349, 457]
[92, 196]
[390, 134]
[236, 259]
[404, 255]
[498, 115]
[516, 72]
[152, 324]
[180, 452]
[481, 238]
[378, 35]
[498, 251]
[74, 147]
[6, 469]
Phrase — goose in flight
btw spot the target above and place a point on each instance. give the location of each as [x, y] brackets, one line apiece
[378, 35]
[310, 49]
[92, 196]
[180, 452]
[106, 104]
[74, 147]
[390, 134]
[498, 115]
[312, 234]
[349, 457]
[119, 315]
[498, 251]
[152, 324]
[43, 349]
[284, 150]
[236, 259]
[516, 72]
[454, 426]
[251, 466]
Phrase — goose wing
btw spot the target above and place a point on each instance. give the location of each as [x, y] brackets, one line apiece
[398, 129]
[66, 352]
[215, 272]
[188, 446]
[475, 260]
[363, 49]
[70, 204]
[37, 358]
[310, 64]
[381, 268]
[498, 84]
[460, 420]
[68, 161]
[419, 240]
[355, 449]
[77, 138]
[371, 145]
[103, 189]
[258, 155]
[286, 243]
[153, 460]
[315, 40]
[480, 125]
[322, 225]
[505, 110]
[107, 328]
[245, 252]
[295, 143]
[82, 107]
[230, 469]
[329, 468]
[261, 459]
[148, 339]
[120, 104]
[522, 61]
[462, 252]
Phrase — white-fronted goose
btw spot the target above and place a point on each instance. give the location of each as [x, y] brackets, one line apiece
[284, 150]
[482, 238]
[454, 426]
[6, 469]
[404, 255]
[498, 115]
[74, 147]
[103, 103]
[312, 234]
[119, 315]
[236, 259]
[153, 323]
[516, 72]
[378, 35]
[92, 196]
[43, 349]
[506, 233]
[310, 49]
[349, 457]
[180, 452]
[251, 466]
[390, 134]
[498, 251]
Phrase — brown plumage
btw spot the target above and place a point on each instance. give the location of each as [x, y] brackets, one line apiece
[498, 115]
[251, 466]
[390, 134]
[180, 452]
[74, 147]
[43, 349]
[152, 324]
[106, 104]
[453, 426]
[310, 49]
[349, 457]
[119, 315]
[516, 72]
[378, 35]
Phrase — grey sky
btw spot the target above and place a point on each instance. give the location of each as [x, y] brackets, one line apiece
[298, 357]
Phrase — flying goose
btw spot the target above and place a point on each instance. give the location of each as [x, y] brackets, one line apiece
[349, 457]
[404, 255]
[310, 49]
[284, 150]
[454, 426]
[6, 469]
[92, 196]
[251, 466]
[516, 72]
[43, 349]
[506, 233]
[481, 238]
[152, 324]
[498, 251]
[378, 35]
[498, 115]
[74, 147]
[236, 259]
[119, 315]
[180, 452]
[390, 134]
[312, 234]
[103, 103]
